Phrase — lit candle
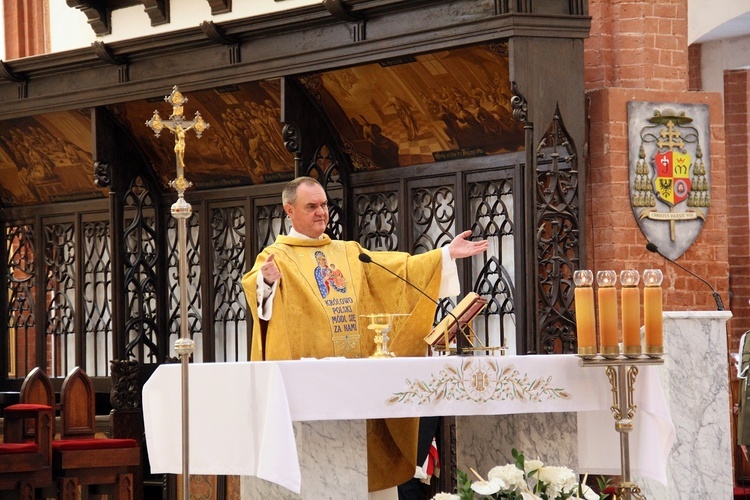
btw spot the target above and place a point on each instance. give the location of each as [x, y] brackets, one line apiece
[652, 312]
[585, 320]
[630, 304]
[607, 295]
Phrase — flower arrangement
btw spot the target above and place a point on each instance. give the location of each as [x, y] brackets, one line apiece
[523, 480]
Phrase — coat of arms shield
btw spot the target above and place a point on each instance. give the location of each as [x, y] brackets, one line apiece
[669, 172]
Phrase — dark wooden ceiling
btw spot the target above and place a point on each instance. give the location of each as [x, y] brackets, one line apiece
[427, 80]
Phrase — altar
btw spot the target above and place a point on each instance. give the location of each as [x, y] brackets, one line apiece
[297, 428]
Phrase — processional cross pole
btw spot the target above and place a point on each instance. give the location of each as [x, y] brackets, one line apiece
[181, 211]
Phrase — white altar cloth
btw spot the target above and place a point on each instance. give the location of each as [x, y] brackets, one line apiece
[241, 413]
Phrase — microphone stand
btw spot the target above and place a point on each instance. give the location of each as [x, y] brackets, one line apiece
[717, 298]
[366, 259]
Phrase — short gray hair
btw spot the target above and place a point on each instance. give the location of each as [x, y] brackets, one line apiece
[289, 194]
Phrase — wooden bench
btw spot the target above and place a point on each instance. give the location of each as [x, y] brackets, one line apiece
[80, 460]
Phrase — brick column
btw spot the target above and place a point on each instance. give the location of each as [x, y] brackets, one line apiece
[25, 28]
[737, 123]
[695, 79]
[638, 52]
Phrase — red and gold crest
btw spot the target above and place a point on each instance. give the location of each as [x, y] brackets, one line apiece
[672, 183]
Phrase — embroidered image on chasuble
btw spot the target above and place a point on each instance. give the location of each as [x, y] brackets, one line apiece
[317, 312]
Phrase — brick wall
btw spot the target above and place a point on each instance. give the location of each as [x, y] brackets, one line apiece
[737, 123]
[695, 79]
[25, 28]
[641, 45]
[638, 52]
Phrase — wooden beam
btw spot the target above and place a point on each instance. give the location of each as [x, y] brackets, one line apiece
[97, 13]
[157, 10]
[220, 6]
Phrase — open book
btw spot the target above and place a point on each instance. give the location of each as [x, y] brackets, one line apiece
[465, 311]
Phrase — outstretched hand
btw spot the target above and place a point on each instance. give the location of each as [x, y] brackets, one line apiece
[460, 247]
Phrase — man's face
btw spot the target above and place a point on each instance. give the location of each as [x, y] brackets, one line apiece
[309, 213]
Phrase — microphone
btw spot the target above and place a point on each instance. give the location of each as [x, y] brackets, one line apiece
[719, 304]
[366, 259]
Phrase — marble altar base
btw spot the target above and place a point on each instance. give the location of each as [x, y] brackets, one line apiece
[332, 454]
[333, 462]
[483, 442]
[695, 380]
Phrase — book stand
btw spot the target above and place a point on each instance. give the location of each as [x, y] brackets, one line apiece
[459, 322]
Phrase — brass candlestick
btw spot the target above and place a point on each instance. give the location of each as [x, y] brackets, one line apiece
[622, 374]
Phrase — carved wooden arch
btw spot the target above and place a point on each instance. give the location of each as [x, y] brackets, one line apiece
[309, 136]
[558, 236]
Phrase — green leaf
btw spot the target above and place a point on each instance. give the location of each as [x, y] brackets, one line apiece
[603, 483]
[463, 486]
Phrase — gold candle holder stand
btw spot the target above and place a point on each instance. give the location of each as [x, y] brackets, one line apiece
[622, 374]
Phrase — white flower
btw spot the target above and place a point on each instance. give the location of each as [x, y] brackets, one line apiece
[530, 466]
[509, 476]
[446, 496]
[551, 482]
[589, 494]
[558, 480]
[486, 487]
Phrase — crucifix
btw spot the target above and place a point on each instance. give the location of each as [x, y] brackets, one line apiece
[181, 211]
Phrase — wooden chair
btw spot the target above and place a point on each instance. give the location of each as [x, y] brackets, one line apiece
[37, 389]
[25, 465]
[79, 458]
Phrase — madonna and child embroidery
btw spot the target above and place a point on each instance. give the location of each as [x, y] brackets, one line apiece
[327, 276]
[328, 271]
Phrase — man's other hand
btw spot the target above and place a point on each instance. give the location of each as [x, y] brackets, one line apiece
[460, 247]
[270, 271]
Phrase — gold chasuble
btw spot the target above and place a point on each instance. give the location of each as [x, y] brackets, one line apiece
[317, 312]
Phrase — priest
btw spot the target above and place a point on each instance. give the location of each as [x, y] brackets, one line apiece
[312, 293]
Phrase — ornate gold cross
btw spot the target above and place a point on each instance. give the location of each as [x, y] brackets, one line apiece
[179, 127]
[671, 136]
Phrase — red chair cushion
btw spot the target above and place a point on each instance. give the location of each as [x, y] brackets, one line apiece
[92, 444]
[24, 407]
[16, 448]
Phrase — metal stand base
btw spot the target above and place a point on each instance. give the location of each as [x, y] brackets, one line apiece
[622, 373]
